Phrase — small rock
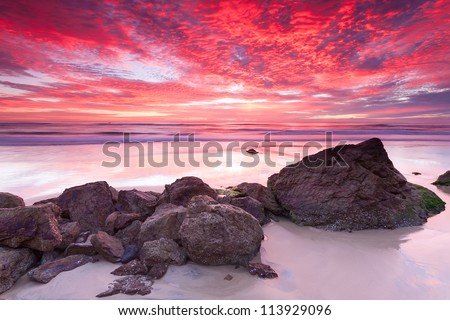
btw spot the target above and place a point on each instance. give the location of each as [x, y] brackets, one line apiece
[182, 190]
[129, 285]
[162, 251]
[228, 277]
[136, 201]
[252, 151]
[262, 270]
[48, 271]
[130, 252]
[133, 267]
[109, 247]
[80, 248]
[83, 237]
[416, 173]
[9, 200]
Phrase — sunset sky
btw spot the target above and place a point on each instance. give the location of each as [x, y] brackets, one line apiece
[225, 61]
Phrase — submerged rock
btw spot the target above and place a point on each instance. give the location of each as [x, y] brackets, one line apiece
[14, 263]
[262, 270]
[443, 180]
[34, 227]
[130, 285]
[136, 201]
[350, 187]
[182, 190]
[88, 204]
[9, 200]
[109, 247]
[217, 234]
[49, 270]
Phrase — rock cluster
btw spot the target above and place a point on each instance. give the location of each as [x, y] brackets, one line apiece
[348, 188]
[145, 231]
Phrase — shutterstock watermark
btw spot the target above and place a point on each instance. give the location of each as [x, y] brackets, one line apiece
[213, 154]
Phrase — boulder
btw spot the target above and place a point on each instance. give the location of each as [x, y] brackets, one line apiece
[69, 232]
[164, 223]
[130, 285]
[34, 227]
[136, 201]
[9, 200]
[133, 267]
[182, 190]
[443, 179]
[88, 204]
[162, 251]
[46, 272]
[129, 235]
[14, 263]
[252, 206]
[218, 234]
[109, 247]
[350, 187]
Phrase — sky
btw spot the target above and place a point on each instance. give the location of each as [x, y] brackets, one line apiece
[190, 61]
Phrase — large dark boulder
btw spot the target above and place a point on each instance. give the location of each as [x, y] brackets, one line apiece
[164, 223]
[136, 201]
[88, 204]
[9, 200]
[182, 190]
[350, 187]
[109, 247]
[34, 227]
[46, 272]
[14, 263]
[217, 234]
[443, 179]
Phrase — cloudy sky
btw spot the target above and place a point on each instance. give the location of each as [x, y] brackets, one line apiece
[227, 61]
